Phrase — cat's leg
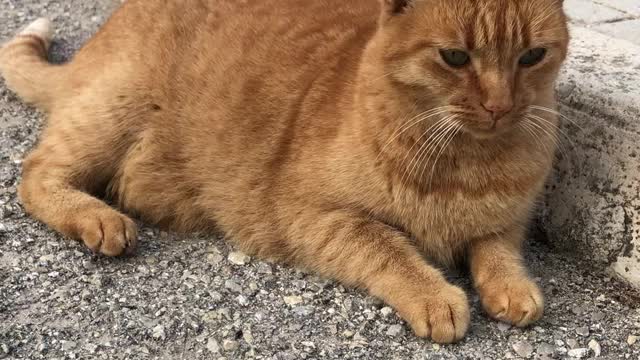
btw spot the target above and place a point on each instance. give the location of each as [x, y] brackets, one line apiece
[507, 292]
[57, 179]
[362, 252]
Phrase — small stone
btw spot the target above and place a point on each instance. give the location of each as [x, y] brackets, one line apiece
[159, 332]
[238, 258]
[247, 336]
[229, 345]
[573, 343]
[578, 353]
[347, 333]
[303, 310]
[242, 300]
[233, 286]
[308, 344]
[583, 331]
[3, 228]
[69, 345]
[577, 310]
[210, 317]
[632, 339]
[395, 330]
[214, 258]
[292, 300]
[601, 298]
[503, 326]
[386, 311]
[523, 348]
[545, 349]
[212, 346]
[4, 350]
[92, 348]
[595, 347]
[599, 316]
[264, 268]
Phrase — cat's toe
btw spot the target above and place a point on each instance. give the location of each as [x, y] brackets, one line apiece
[109, 232]
[515, 301]
[444, 316]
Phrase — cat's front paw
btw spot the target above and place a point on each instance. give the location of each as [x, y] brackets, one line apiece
[516, 301]
[107, 231]
[442, 315]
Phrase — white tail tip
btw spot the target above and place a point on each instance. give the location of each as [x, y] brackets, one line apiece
[41, 28]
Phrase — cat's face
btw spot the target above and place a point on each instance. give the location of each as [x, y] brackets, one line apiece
[484, 61]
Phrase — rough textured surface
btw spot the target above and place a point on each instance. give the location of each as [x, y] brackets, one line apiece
[188, 297]
[616, 18]
[593, 204]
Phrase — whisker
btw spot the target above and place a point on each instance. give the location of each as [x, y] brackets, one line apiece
[454, 133]
[555, 112]
[404, 127]
[534, 134]
[553, 136]
[442, 125]
[555, 127]
[437, 145]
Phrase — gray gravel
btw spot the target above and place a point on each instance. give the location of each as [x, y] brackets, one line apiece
[191, 297]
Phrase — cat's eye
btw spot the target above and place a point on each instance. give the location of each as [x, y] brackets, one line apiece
[455, 58]
[532, 57]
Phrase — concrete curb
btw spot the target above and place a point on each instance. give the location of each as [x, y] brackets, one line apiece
[592, 203]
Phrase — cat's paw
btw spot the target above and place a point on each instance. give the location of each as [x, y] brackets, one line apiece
[443, 315]
[107, 231]
[516, 301]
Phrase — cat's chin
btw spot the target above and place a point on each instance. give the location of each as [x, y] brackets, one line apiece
[487, 134]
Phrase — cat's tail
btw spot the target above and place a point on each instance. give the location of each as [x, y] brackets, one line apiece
[25, 68]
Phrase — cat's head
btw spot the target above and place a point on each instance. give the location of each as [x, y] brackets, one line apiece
[486, 61]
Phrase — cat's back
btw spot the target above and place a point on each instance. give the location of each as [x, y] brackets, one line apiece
[176, 42]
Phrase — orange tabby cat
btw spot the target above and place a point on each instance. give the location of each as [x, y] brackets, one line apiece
[354, 138]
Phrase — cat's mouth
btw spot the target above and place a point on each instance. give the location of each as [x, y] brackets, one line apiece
[489, 128]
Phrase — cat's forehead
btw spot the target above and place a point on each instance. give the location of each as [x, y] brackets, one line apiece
[498, 24]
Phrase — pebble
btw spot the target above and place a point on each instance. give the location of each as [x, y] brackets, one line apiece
[233, 286]
[583, 331]
[573, 343]
[293, 300]
[264, 268]
[69, 345]
[595, 347]
[4, 350]
[214, 258]
[523, 348]
[598, 316]
[578, 353]
[395, 330]
[238, 258]
[92, 348]
[159, 332]
[3, 228]
[213, 346]
[632, 339]
[503, 326]
[229, 345]
[545, 349]
[386, 311]
[303, 310]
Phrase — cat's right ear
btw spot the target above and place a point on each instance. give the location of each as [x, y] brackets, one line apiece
[391, 8]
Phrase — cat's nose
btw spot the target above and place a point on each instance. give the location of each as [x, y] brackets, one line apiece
[498, 109]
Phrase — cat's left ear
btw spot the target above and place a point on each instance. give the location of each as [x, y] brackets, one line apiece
[392, 8]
